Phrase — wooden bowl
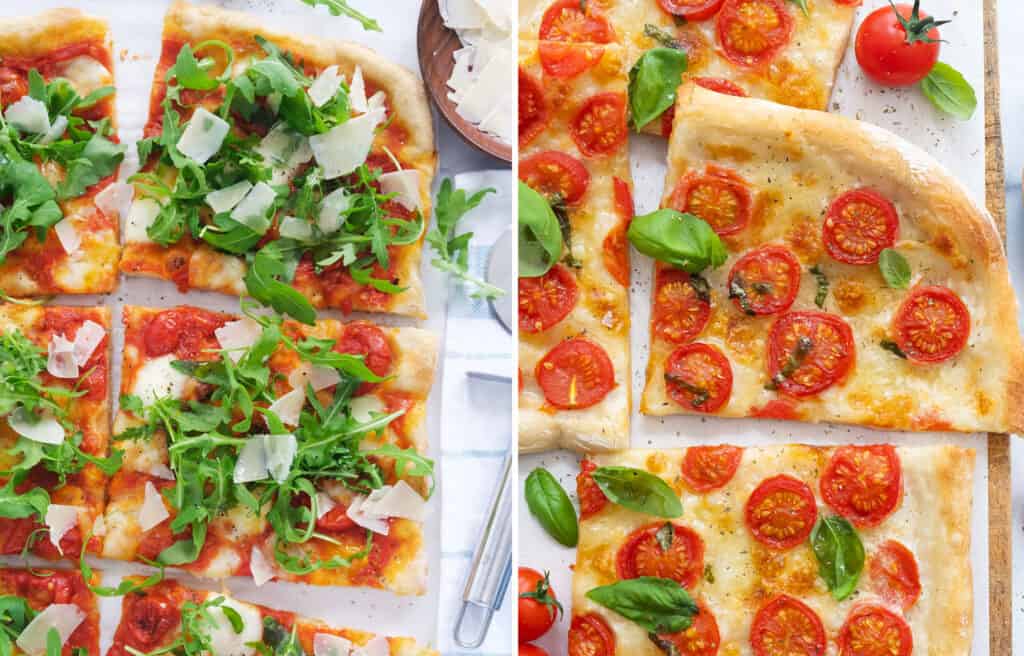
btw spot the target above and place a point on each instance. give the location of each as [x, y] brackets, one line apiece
[436, 43]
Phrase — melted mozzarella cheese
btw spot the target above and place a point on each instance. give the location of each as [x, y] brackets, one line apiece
[157, 379]
[223, 638]
[86, 74]
[141, 215]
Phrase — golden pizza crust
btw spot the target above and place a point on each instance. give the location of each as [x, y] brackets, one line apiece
[39, 35]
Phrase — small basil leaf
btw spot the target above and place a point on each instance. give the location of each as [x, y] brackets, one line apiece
[822, 295]
[549, 503]
[653, 82]
[666, 535]
[540, 236]
[638, 490]
[840, 555]
[895, 269]
[679, 239]
[658, 605]
[947, 89]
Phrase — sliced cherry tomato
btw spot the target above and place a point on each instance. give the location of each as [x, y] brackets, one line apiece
[781, 512]
[599, 128]
[553, 173]
[720, 85]
[335, 520]
[765, 280]
[719, 196]
[875, 631]
[592, 498]
[575, 22]
[889, 53]
[701, 639]
[364, 338]
[526, 649]
[184, 331]
[808, 352]
[859, 225]
[13, 86]
[691, 10]
[787, 627]
[776, 409]
[538, 606]
[545, 301]
[864, 484]
[150, 618]
[707, 468]
[589, 635]
[932, 325]
[680, 313]
[567, 60]
[642, 554]
[894, 575]
[698, 377]
[533, 111]
[616, 247]
[752, 32]
[575, 374]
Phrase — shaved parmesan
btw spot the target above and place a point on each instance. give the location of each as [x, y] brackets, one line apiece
[280, 450]
[326, 86]
[99, 526]
[141, 215]
[463, 14]
[253, 209]
[295, 228]
[56, 131]
[60, 519]
[225, 200]
[115, 199]
[487, 91]
[203, 136]
[28, 115]
[332, 207]
[357, 92]
[324, 504]
[325, 644]
[378, 646]
[262, 570]
[157, 379]
[88, 337]
[44, 429]
[64, 618]
[60, 358]
[318, 377]
[152, 512]
[399, 501]
[236, 336]
[252, 461]
[68, 235]
[285, 151]
[288, 408]
[341, 150]
[363, 407]
[372, 523]
[405, 185]
[161, 470]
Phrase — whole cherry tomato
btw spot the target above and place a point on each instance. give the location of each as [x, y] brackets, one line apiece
[538, 606]
[898, 45]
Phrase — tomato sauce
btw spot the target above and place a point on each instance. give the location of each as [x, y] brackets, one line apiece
[43, 588]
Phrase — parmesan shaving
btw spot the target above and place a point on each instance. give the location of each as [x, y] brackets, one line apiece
[60, 359]
[89, 336]
[152, 512]
[115, 199]
[64, 618]
[203, 136]
[325, 644]
[68, 235]
[28, 115]
[326, 86]
[262, 570]
[45, 429]
[406, 187]
[60, 519]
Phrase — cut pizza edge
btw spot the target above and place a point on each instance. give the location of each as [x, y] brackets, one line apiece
[40, 602]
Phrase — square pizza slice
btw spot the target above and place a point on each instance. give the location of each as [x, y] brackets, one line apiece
[273, 161]
[43, 607]
[58, 205]
[273, 449]
[171, 618]
[574, 317]
[730, 550]
[55, 427]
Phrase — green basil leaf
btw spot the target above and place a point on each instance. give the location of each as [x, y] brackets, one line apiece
[679, 239]
[638, 490]
[895, 269]
[549, 503]
[540, 236]
[666, 535]
[658, 605]
[947, 89]
[653, 82]
[840, 555]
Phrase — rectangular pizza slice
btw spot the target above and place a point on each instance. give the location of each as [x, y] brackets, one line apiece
[43, 607]
[857, 281]
[58, 219]
[54, 427]
[171, 618]
[726, 550]
[273, 161]
[574, 314]
[273, 449]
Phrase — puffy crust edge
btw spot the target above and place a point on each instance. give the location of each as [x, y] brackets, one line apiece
[27, 36]
[539, 431]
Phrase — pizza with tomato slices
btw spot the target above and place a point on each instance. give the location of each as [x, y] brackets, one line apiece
[58, 215]
[779, 50]
[41, 605]
[54, 427]
[847, 550]
[574, 316]
[171, 618]
[859, 283]
[257, 446]
[291, 170]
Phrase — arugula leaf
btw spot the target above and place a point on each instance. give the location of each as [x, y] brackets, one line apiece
[342, 8]
[453, 250]
[263, 283]
[658, 605]
[682, 240]
[950, 92]
[100, 158]
[653, 83]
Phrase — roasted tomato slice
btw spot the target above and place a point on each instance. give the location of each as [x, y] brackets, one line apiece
[575, 22]
[864, 484]
[592, 499]
[719, 196]
[859, 225]
[781, 512]
[575, 374]
[680, 311]
[365, 339]
[150, 618]
[720, 85]
[894, 575]
[691, 10]
[545, 301]
[707, 468]
[616, 246]
[808, 352]
[701, 639]
[552, 173]
[752, 32]
[787, 627]
[335, 520]
[13, 86]
[599, 127]
[765, 281]
[875, 631]
[932, 325]
[698, 377]
[645, 554]
[589, 635]
[567, 60]
[533, 111]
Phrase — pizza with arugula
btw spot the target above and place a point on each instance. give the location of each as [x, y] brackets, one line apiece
[47, 612]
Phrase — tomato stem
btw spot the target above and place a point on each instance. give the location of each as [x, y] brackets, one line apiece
[917, 28]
